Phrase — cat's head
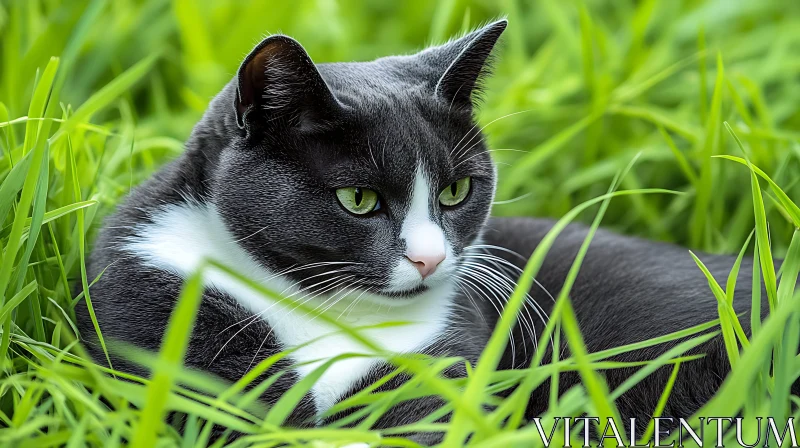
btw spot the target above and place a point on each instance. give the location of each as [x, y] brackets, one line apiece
[372, 176]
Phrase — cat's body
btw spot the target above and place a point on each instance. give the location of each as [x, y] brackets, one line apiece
[255, 191]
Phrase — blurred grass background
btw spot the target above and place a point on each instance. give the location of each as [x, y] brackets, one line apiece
[580, 89]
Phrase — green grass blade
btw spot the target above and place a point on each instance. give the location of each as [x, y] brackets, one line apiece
[39, 202]
[81, 231]
[729, 322]
[17, 299]
[700, 224]
[107, 94]
[792, 210]
[661, 361]
[762, 232]
[790, 269]
[12, 184]
[662, 403]
[176, 339]
[680, 158]
[730, 286]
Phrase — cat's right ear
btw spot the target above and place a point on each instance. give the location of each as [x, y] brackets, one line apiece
[279, 85]
[458, 67]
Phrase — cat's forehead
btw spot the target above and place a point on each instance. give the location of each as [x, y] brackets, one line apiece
[389, 156]
[392, 89]
[393, 119]
[395, 75]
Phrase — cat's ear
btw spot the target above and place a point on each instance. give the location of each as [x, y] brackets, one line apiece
[280, 85]
[467, 60]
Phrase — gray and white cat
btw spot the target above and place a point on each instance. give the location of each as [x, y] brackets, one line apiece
[364, 190]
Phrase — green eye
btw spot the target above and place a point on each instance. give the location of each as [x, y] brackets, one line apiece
[456, 192]
[358, 200]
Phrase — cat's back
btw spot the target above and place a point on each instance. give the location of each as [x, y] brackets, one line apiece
[628, 289]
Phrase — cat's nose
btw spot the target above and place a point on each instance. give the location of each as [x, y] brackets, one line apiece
[426, 263]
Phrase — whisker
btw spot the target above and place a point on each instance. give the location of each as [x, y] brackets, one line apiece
[506, 262]
[467, 150]
[495, 260]
[501, 263]
[512, 200]
[253, 319]
[481, 130]
[491, 277]
[499, 312]
[344, 291]
[272, 328]
[353, 303]
[372, 155]
[284, 297]
[500, 248]
[472, 301]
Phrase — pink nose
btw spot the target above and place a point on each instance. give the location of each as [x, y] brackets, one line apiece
[426, 264]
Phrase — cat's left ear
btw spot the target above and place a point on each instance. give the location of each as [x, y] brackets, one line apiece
[279, 85]
[467, 60]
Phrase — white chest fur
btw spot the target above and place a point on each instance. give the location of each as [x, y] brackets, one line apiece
[181, 237]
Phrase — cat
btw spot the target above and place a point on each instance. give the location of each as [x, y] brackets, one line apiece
[363, 190]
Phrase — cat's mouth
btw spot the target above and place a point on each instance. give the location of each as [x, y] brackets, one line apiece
[410, 286]
[406, 293]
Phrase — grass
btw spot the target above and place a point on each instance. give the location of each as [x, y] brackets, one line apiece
[96, 95]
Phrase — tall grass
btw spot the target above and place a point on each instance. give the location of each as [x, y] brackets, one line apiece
[96, 95]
